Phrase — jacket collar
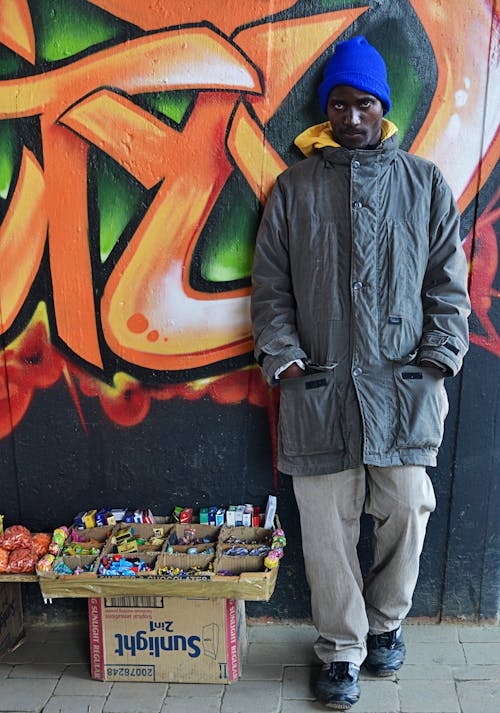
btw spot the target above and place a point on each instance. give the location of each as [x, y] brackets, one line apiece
[320, 137]
[384, 153]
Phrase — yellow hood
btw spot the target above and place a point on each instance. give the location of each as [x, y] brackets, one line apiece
[318, 136]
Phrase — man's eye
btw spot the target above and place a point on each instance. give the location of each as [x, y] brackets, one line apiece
[366, 103]
[338, 106]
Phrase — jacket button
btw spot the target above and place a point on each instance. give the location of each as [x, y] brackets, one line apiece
[356, 164]
[357, 371]
[357, 204]
[357, 285]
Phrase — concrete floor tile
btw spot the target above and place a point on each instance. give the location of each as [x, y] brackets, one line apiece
[482, 653]
[433, 697]
[73, 651]
[25, 653]
[24, 694]
[286, 633]
[426, 633]
[75, 704]
[250, 696]
[378, 697]
[303, 707]
[425, 672]
[436, 652]
[38, 632]
[181, 705]
[298, 682]
[195, 690]
[476, 673]
[366, 675]
[71, 632]
[255, 672]
[134, 697]
[479, 696]
[37, 670]
[300, 654]
[479, 634]
[76, 680]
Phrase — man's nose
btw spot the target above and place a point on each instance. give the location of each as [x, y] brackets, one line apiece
[353, 117]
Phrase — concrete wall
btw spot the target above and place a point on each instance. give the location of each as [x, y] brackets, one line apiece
[138, 142]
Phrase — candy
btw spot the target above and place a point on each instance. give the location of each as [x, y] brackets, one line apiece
[121, 566]
[273, 558]
[45, 563]
[259, 551]
[185, 515]
[178, 573]
[62, 568]
[58, 539]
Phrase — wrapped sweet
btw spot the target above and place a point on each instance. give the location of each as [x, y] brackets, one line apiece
[58, 539]
[276, 552]
[45, 563]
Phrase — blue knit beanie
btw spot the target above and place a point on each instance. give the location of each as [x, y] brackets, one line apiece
[357, 64]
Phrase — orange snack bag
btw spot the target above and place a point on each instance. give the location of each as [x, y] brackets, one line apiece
[16, 536]
[41, 542]
[22, 560]
[4, 559]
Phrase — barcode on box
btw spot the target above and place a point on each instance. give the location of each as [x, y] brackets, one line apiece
[136, 601]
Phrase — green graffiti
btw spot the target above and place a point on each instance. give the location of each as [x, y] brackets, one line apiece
[63, 29]
[10, 63]
[407, 87]
[228, 253]
[118, 197]
[7, 155]
[173, 105]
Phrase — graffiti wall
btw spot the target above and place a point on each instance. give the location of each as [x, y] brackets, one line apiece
[138, 143]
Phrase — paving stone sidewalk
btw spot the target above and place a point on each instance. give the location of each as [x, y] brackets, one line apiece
[449, 669]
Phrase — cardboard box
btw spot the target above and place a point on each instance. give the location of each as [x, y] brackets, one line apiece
[172, 639]
[11, 615]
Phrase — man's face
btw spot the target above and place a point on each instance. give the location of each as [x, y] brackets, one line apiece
[355, 116]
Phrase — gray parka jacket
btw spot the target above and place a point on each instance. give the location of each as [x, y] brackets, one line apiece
[359, 272]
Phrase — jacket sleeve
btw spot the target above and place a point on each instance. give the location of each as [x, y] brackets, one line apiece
[445, 300]
[273, 301]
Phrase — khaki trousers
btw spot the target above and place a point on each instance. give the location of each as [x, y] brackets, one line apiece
[344, 608]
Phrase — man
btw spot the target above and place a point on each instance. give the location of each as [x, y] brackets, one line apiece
[359, 311]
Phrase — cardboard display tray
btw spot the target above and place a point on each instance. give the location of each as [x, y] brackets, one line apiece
[241, 584]
[251, 586]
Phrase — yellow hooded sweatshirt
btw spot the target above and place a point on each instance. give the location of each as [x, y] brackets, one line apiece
[320, 135]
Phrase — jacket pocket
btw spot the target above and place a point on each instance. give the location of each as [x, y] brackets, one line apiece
[423, 406]
[309, 419]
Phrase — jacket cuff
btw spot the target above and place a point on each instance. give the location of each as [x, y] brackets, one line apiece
[270, 363]
[440, 347]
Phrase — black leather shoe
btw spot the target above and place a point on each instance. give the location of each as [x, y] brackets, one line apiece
[337, 686]
[386, 652]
